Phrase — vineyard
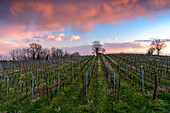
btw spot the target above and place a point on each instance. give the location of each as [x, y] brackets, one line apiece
[102, 83]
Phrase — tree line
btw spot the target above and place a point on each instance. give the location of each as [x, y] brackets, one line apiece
[36, 52]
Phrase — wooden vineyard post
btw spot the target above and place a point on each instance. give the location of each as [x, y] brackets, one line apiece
[146, 88]
[108, 74]
[126, 71]
[145, 70]
[142, 80]
[21, 71]
[32, 84]
[119, 87]
[114, 84]
[79, 67]
[72, 70]
[5, 77]
[15, 91]
[66, 67]
[47, 88]
[56, 90]
[26, 88]
[58, 82]
[37, 76]
[83, 87]
[0, 87]
[51, 94]
[164, 69]
[136, 66]
[156, 86]
[22, 87]
[133, 65]
[63, 86]
[90, 71]
[86, 81]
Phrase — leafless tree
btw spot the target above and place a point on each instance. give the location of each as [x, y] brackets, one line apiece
[150, 51]
[13, 54]
[36, 48]
[57, 52]
[158, 45]
[66, 53]
[45, 52]
[96, 47]
[76, 54]
[3, 57]
[103, 50]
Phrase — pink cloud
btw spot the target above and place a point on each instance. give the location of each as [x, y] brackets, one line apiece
[50, 37]
[6, 47]
[22, 20]
[111, 40]
[43, 15]
[73, 38]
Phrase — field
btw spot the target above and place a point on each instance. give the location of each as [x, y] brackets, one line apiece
[103, 83]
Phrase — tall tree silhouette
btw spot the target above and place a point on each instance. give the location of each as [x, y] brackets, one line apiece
[158, 45]
[36, 48]
[96, 47]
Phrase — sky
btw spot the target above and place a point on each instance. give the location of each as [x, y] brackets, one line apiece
[120, 25]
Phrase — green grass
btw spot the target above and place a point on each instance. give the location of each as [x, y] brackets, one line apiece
[100, 97]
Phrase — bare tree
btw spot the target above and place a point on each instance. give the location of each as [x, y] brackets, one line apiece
[36, 48]
[57, 52]
[12, 54]
[150, 51]
[66, 53]
[60, 52]
[3, 57]
[45, 52]
[53, 51]
[96, 47]
[158, 45]
[103, 50]
[76, 54]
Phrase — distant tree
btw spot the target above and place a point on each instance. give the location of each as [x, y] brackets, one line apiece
[66, 53]
[12, 54]
[150, 51]
[96, 47]
[57, 52]
[44, 53]
[53, 51]
[36, 48]
[76, 54]
[103, 50]
[3, 57]
[38, 56]
[158, 45]
[60, 52]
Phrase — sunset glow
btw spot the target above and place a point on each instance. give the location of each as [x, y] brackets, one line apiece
[120, 25]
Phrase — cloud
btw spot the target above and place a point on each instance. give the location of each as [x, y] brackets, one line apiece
[73, 38]
[30, 20]
[59, 37]
[6, 47]
[164, 40]
[111, 40]
[48, 37]
[51, 15]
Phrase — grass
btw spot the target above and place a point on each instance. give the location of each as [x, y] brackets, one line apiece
[100, 97]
